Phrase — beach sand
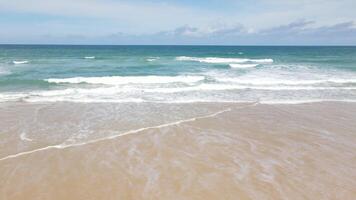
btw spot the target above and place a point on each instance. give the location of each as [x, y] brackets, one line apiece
[199, 151]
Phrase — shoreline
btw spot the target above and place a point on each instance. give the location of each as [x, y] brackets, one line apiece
[186, 151]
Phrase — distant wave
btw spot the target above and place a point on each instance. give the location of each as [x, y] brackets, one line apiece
[152, 59]
[17, 62]
[120, 80]
[223, 60]
[242, 66]
[89, 57]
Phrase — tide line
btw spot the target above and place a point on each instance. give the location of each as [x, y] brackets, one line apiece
[136, 131]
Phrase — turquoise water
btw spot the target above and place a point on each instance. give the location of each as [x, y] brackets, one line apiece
[173, 74]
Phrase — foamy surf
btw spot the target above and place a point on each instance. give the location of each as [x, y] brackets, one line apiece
[306, 101]
[270, 81]
[120, 80]
[200, 93]
[18, 62]
[216, 60]
[227, 87]
[243, 66]
[89, 57]
[152, 59]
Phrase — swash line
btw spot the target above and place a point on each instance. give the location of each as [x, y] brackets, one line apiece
[136, 131]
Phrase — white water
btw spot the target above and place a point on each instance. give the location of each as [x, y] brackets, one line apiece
[120, 80]
[152, 59]
[224, 60]
[261, 81]
[243, 66]
[271, 81]
[18, 62]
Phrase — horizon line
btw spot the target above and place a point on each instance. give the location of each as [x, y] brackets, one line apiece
[217, 45]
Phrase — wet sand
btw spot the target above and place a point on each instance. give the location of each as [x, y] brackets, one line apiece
[177, 151]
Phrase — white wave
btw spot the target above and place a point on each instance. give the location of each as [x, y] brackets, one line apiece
[268, 102]
[243, 66]
[222, 87]
[202, 87]
[84, 100]
[12, 96]
[111, 94]
[121, 80]
[89, 57]
[268, 82]
[139, 94]
[152, 59]
[17, 62]
[272, 102]
[223, 60]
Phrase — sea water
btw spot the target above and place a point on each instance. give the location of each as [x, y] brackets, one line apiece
[176, 74]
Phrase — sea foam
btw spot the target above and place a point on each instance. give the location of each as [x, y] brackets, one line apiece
[17, 62]
[243, 66]
[223, 87]
[223, 60]
[271, 81]
[151, 59]
[121, 80]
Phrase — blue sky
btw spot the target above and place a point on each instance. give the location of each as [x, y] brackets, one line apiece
[226, 22]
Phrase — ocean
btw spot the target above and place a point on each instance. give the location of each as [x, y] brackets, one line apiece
[177, 74]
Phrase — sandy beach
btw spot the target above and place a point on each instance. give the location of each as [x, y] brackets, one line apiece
[177, 151]
[177, 100]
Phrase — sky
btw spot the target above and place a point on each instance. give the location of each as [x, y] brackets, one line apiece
[178, 22]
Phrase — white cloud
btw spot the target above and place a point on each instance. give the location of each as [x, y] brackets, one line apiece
[139, 20]
[270, 13]
[147, 16]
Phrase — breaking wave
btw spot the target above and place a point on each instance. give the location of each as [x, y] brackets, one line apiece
[121, 80]
[152, 59]
[89, 57]
[18, 62]
[224, 60]
[212, 92]
[243, 66]
[269, 81]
